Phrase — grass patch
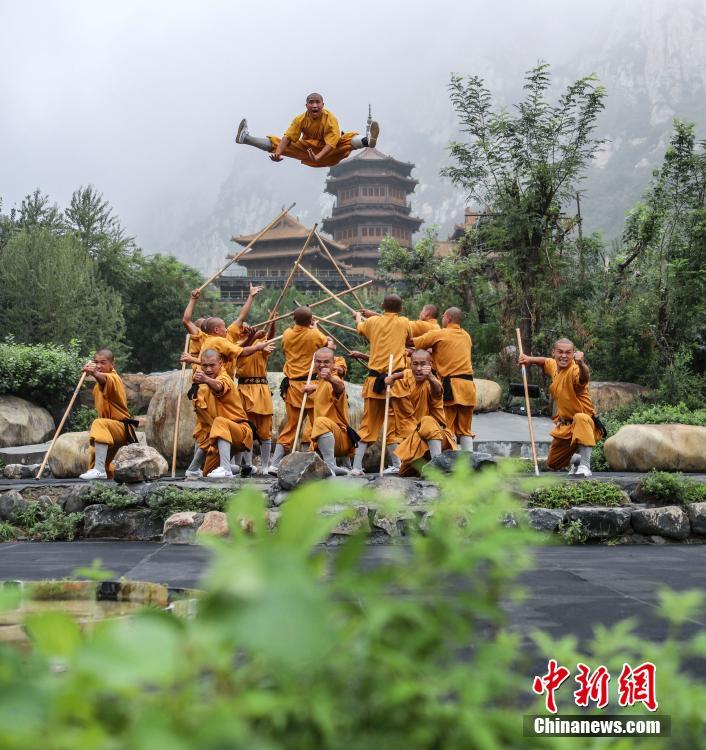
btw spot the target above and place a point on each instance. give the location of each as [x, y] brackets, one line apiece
[670, 487]
[47, 522]
[571, 494]
[115, 497]
[167, 500]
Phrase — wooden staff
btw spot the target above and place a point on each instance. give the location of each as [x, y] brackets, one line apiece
[303, 407]
[247, 248]
[312, 305]
[61, 425]
[341, 325]
[273, 312]
[527, 404]
[387, 415]
[178, 409]
[337, 267]
[325, 288]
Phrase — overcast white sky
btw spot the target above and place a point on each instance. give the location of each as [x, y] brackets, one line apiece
[142, 98]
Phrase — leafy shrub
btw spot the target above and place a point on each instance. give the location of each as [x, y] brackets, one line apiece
[570, 494]
[81, 419]
[7, 532]
[573, 532]
[331, 652]
[115, 497]
[667, 487]
[46, 373]
[167, 500]
[47, 522]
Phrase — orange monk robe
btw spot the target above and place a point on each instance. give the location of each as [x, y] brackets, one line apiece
[451, 349]
[230, 422]
[110, 402]
[341, 366]
[387, 333]
[256, 396]
[299, 343]
[306, 132]
[430, 425]
[574, 414]
[195, 342]
[330, 414]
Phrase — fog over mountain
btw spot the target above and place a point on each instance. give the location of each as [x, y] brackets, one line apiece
[142, 99]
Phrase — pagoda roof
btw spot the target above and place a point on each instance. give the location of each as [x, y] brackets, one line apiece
[286, 229]
[370, 157]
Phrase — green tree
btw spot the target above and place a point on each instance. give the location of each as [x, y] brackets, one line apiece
[525, 168]
[52, 293]
[659, 278]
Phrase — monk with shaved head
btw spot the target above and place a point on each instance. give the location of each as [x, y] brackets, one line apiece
[451, 350]
[314, 137]
[114, 427]
[576, 430]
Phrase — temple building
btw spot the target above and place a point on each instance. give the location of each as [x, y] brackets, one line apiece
[271, 259]
[371, 190]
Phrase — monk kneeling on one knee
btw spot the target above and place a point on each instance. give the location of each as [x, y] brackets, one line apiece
[576, 431]
[114, 426]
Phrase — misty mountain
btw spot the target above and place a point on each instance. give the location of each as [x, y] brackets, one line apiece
[648, 57]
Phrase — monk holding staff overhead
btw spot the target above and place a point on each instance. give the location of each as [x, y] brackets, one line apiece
[314, 137]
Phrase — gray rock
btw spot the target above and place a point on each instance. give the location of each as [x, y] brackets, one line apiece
[104, 522]
[139, 463]
[20, 471]
[392, 522]
[669, 520]
[601, 522]
[10, 503]
[351, 524]
[446, 460]
[394, 487]
[297, 468]
[181, 528]
[545, 519]
[23, 423]
[697, 517]
[77, 499]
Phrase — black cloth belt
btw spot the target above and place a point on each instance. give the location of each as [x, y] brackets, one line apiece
[601, 427]
[353, 435]
[446, 382]
[252, 381]
[255, 436]
[284, 385]
[191, 394]
[130, 425]
[379, 384]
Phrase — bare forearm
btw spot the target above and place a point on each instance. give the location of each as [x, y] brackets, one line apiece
[584, 372]
[538, 361]
[282, 145]
[436, 387]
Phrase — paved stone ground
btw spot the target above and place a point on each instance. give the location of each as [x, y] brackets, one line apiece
[570, 590]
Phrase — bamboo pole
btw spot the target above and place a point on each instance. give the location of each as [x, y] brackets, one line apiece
[247, 248]
[387, 415]
[303, 406]
[287, 283]
[322, 244]
[61, 425]
[527, 403]
[341, 325]
[312, 305]
[325, 288]
[178, 409]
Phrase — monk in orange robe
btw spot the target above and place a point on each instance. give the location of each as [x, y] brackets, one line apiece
[330, 430]
[314, 137]
[430, 435]
[576, 430]
[299, 343]
[114, 426]
[230, 431]
[451, 348]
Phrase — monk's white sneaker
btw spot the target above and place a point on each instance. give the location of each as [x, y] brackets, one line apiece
[93, 474]
[220, 473]
[356, 473]
[374, 133]
[583, 471]
[392, 470]
[575, 462]
[242, 131]
[197, 474]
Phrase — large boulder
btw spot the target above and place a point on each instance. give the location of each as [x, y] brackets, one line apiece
[139, 463]
[180, 528]
[607, 396]
[161, 414]
[23, 423]
[10, 503]
[140, 388]
[669, 520]
[488, 395]
[600, 522]
[215, 523]
[697, 517]
[300, 467]
[104, 522]
[70, 455]
[665, 447]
